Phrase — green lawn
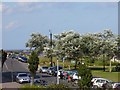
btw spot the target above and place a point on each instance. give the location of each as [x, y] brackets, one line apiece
[114, 76]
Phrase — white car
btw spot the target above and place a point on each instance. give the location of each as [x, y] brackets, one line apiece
[116, 85]
[43, 69]
[75, 76]
[22, 77]
[98, 82]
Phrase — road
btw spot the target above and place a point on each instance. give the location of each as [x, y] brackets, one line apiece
[12, 67]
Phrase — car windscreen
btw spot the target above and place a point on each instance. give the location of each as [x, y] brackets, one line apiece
[24, 58]
[23, 75]
[45, 67]
[37, 76]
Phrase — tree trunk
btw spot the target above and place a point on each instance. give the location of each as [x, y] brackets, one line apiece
[75, 64]
[103, 62]
[32, 80]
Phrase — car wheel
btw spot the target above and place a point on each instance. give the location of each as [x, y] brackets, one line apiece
[95, 86]
[20, 82]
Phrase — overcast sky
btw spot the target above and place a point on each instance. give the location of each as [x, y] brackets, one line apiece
[20, 19]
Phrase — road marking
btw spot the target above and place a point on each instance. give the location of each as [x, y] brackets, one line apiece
[6, 66]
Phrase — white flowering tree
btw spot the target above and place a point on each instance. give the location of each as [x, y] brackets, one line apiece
[88, 45]
[68, 45]
[107, 45]
[37, 42]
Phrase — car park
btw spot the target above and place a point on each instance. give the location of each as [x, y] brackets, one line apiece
[43, 69]
[22, 77]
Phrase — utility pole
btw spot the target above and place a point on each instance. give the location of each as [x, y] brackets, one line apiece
[51, 47]
[57, 71]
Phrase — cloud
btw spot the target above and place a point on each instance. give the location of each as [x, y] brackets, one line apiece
[0, 7]
[11, 25]
[24, 7]
[6, 9]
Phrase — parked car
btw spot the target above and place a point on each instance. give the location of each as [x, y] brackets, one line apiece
[116, 86]
[22, 59]
[43, 69]
[59, 72]
[22, 77]
[36, 78]
[98, 82]
[75, 76]
[54, 70]
[49, 71]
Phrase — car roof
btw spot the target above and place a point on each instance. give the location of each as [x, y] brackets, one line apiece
[22, 73]
[103, 79]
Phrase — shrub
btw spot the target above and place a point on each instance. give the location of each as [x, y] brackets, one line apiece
[58, 87]
[34, 87]
[116, 68]
[86, 77]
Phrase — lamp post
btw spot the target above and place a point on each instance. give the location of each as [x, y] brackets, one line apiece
[57, 53]
[51, 47]
[57, 72]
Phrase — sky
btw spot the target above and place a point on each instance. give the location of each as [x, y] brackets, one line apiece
[21, 19]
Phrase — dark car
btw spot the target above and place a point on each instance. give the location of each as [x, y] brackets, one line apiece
[22, 59]
[36, 78]
[49, 70]
[54, 70]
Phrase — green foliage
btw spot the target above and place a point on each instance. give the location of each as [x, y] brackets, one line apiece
[33, 87]
[50, 87]
[33, 62]
[58, 87]
[86, 77]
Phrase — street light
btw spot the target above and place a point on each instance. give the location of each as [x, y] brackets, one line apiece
[51, 46]
[57, 53]
[57, 72]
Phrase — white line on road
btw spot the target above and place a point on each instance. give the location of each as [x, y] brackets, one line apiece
[6, 66]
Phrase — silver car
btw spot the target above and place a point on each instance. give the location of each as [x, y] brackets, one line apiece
[43, 69]
[22, 77]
